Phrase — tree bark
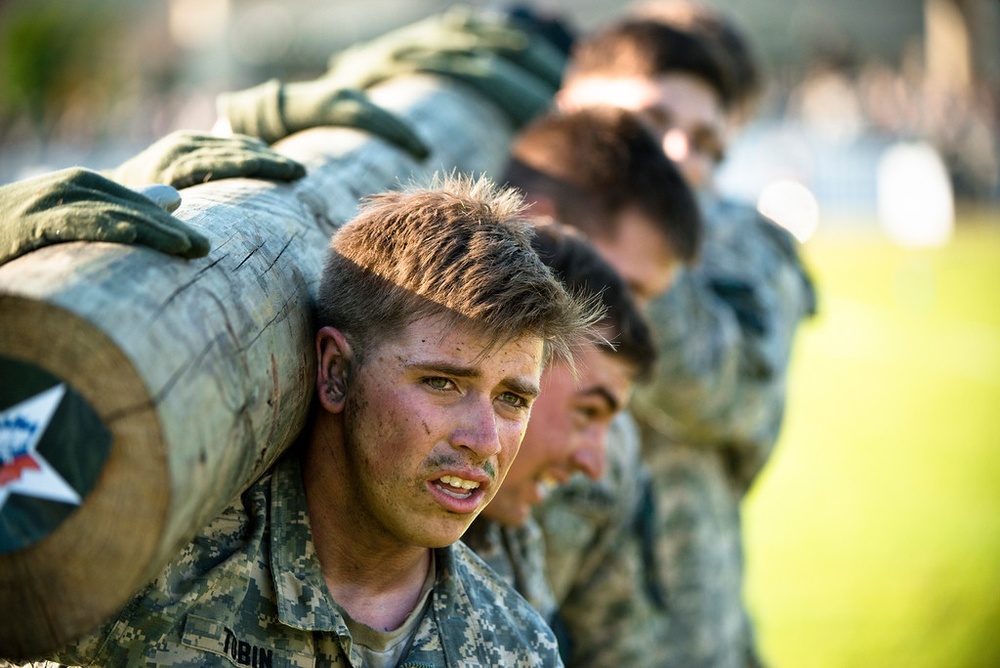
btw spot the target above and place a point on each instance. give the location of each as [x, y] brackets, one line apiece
[200, 372]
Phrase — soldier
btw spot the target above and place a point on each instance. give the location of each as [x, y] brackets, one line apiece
[724, 333]
[570, 422]
[600, 171]
[435, 321]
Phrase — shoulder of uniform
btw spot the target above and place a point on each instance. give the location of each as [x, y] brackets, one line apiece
[483, 587]
[485, 617]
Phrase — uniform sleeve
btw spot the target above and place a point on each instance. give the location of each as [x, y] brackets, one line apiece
[596, 563]
[212, 564]
[724, 334]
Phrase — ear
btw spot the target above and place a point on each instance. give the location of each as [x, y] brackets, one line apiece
[334, 355]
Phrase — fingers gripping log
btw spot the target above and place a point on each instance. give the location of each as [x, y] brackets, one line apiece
[140, 393]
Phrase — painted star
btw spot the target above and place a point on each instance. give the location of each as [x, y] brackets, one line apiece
[22, 469]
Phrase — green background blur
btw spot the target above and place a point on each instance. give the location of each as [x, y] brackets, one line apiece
[873, 536]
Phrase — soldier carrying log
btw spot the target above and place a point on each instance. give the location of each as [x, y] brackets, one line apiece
[435, 320]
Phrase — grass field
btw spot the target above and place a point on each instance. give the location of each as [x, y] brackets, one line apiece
[873, 537]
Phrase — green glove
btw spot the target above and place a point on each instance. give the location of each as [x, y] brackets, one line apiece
[518, 94]
[184, 158]
[460, 30]
[77, 204]
[517, 70]
[275, 110]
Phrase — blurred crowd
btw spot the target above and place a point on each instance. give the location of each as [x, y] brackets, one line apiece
[845, 97]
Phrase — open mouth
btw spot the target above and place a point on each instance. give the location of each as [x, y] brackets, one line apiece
[456, 487]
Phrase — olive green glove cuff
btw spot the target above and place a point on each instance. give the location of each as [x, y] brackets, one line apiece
[255, 111]
[517, 70]
[274, 110]
[81, 205]
[185, 158]
[527, 50]
[518, 93]
[458, 29]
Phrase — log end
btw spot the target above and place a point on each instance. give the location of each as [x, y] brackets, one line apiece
[83, 478]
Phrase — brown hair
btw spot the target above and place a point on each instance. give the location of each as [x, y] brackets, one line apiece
[584, 272]
[459, 248]
[595, 163]
[647, 48]
[712, 24]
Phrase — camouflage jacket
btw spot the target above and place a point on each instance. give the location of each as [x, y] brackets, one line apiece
[602, 579]
[646, 565]
[709, 422]
[517, 554]
[724, 334]
[249, 591]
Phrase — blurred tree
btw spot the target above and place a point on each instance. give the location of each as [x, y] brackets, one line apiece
[55, 55]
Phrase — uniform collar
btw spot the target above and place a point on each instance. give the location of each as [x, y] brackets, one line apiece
[304, 601]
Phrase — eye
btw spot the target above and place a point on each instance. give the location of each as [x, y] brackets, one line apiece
[514, 400]
[708, 144]
[438, 383]
[592, 413]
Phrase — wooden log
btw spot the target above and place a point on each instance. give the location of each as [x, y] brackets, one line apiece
[156, 389]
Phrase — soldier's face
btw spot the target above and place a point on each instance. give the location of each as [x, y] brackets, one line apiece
[684, 111]
[640, 255]
[432, 423]
[567, 433]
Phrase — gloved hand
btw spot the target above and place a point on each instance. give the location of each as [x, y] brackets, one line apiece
[553, 27]
[78, 204]
[274, 110]
[520, 95]
[518, 70]
[185, 158]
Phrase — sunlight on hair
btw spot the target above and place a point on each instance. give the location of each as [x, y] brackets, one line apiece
[791, 205]
[915, 202]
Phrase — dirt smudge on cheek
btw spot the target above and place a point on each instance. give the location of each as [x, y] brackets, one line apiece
[427, 429]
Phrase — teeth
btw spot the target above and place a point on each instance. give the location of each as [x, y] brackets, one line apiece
[455, 481]
[548, 483]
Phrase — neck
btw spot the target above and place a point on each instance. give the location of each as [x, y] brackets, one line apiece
[372, 576]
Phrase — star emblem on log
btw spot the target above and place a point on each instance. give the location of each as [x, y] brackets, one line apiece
[23, 470]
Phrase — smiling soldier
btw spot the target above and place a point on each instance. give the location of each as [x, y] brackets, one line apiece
[572, 421]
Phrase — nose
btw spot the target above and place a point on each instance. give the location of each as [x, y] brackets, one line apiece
[590, 457]
[477, 428]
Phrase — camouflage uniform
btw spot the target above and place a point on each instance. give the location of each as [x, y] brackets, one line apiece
[710, 421]
[599, 574]
[517, 554]
[249, 591]
[650, 573]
